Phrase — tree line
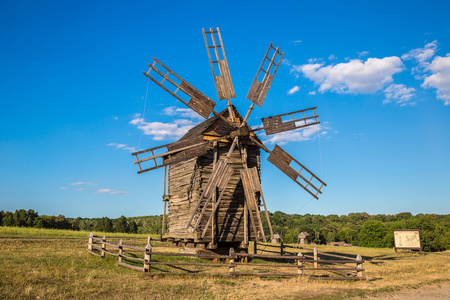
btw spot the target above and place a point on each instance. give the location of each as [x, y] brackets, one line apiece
[358, 229]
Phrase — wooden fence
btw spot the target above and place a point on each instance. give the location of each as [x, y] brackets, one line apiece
[280, 264]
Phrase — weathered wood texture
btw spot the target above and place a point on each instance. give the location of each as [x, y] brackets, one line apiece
[188, 179]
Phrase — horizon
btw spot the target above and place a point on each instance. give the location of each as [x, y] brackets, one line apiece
[75, 103]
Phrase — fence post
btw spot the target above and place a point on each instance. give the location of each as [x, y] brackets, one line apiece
[315, 258]
[359, 266]
[281, 248]
[300, 263]
[147, 256]
[90, 241]
[103, 246]
[255, 247]
[231, 261]
[120, 250]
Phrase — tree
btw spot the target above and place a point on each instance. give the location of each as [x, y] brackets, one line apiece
[104, 225]
[121, 225]
[132, 226]
[372, 234]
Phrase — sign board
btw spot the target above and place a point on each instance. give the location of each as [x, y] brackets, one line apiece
[407, 239]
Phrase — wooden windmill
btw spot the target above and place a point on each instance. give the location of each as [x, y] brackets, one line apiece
[214, 189]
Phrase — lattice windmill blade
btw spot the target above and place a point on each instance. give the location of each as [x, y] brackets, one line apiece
[261, 84]
[219, 64]
[193, 98]
[175, 152]
[282, 160]
[287, 121]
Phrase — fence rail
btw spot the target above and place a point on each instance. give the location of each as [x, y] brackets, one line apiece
[98, 246]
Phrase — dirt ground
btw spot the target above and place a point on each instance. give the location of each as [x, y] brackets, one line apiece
[433, 291]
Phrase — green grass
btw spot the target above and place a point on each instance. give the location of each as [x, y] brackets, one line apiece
[54, 264]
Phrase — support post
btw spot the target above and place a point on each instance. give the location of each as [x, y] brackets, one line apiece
[300, 263]
[147, 255]
[163, 229]
[120, 250]
[245, 223]
[214, 198]
[103, 246]
[315, 258]
[359, 266]
[281, 248]
[91, 235]
[232, 256]
[255, 249]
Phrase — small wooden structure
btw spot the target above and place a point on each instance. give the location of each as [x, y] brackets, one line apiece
[303, 238]
[214, 190]
[276, 238]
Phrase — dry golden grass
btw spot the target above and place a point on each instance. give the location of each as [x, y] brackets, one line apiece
[53, 268]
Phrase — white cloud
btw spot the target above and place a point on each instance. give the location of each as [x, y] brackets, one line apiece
[312, 93]
[440, 77]
[81, 189]
[182, 112]
[422, 55]
[109, 191]
[399, 94]
[297, 42]
[362, 53]
[163, 131]
[293, 90]
[122, 146]
[84, 183]
[298, 135]
[355, 76]
[173, 130]
[62, 188]
[332, 57]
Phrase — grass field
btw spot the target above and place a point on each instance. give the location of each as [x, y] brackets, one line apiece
[54, 264]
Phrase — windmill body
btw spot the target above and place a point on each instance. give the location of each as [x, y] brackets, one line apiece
[214, 176]
[188, 179]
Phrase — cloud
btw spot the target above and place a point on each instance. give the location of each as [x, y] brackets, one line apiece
[355, 76]
[293, 90]
[422, 55]
[62, 188]
[312, 93]
[84, 183]
[296, 43]
[332, 57]
[81, 189]
[109, 191]
[298, 135]
[440, 77]
[173, 130]
[182, 112]
[122, 146]
[399, 94]
[362, 53]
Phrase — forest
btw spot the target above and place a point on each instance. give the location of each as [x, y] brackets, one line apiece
[358, 229]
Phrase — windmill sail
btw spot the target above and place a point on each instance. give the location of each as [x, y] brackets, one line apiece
[276, 124]
[258, 90]
[282, 160]
[218, 62]
[200, 103]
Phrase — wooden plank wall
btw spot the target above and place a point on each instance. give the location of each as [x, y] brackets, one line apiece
[186, 183]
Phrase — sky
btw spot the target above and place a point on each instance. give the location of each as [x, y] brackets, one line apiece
[74, 103]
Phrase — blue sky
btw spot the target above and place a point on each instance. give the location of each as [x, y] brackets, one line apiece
[72, 99]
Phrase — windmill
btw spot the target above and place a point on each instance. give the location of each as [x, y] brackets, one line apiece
[214, 185]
